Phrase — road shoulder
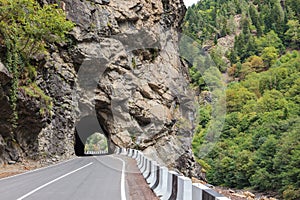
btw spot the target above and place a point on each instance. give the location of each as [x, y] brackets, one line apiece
[136, 184]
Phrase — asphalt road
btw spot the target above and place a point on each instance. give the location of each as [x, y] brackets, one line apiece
[85, 178]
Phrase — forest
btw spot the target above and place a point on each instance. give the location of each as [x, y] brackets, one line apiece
[259, 145]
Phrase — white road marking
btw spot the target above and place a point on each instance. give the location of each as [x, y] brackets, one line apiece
[38, 169]
[123, 194]
[46, 184]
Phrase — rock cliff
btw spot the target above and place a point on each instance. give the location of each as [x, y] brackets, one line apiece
[121, 67]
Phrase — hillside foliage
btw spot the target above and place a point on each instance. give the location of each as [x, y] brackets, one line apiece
[259, 146]
[26, 30]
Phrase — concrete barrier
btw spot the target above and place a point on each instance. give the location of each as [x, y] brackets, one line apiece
[184, 191]
[134, 155]
[145, 171]
[127, 152]
[140, 160]
[153, 174]
[123, 151]
[197, 191]
[131, 153]
[163, 182]
[142, 163]
[117, 150]
[172, 181]
[157, 178]
[169, 185]
[138, 157]
[202, 192]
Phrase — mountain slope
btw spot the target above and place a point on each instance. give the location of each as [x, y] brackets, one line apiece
[260, 142]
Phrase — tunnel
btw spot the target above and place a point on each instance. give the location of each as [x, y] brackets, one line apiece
[86, 127]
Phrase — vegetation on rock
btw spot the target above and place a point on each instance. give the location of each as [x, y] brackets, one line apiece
[26, 28]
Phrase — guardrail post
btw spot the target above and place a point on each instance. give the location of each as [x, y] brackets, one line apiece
[144, 164]
[146, 167]
[136, 154]
[147, 173]
[157, 178]
[133, 153]
[152, 178]
[202, 192]
[174, 194]
[123, 151]
[117, 150]
[184, 188]
[197, 191]
[168, 194]
[140, 160]
[163, 182]
[129, 152]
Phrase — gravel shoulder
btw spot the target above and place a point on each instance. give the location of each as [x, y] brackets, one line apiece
[7, 170]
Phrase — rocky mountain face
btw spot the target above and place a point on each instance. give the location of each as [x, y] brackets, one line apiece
[121, 67]
[39, 136]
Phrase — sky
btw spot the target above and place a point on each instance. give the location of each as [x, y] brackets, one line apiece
[190, 2]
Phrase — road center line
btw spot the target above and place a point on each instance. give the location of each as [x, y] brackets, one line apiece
[46, 184]
[123, 194]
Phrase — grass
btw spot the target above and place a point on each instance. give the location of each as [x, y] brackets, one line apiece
[33, 90]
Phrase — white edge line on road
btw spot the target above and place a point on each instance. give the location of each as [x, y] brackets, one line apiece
[38, 169]
[123, 194]
[46, 184]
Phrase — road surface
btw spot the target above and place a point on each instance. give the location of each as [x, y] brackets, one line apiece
[84, 178]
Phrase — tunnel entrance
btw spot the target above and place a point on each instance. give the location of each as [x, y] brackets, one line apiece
[85, 131]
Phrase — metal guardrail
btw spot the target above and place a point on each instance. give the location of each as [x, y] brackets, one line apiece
[95, 152]
[169, 185]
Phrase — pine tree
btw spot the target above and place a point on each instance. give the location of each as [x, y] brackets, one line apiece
[293, 33]
[277, 14]
[245, 25]
[255, 19]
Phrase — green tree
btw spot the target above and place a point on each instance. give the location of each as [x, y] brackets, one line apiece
[294, 5]
[287, 160]
[293, 33]
[270, 39]
[245, 25]
[269, 56]
[256, 63]
[255, 19]
[237, 97]
[278, 19]
[231, 25]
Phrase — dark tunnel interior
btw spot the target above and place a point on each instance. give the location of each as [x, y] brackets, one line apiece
[86, 127]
